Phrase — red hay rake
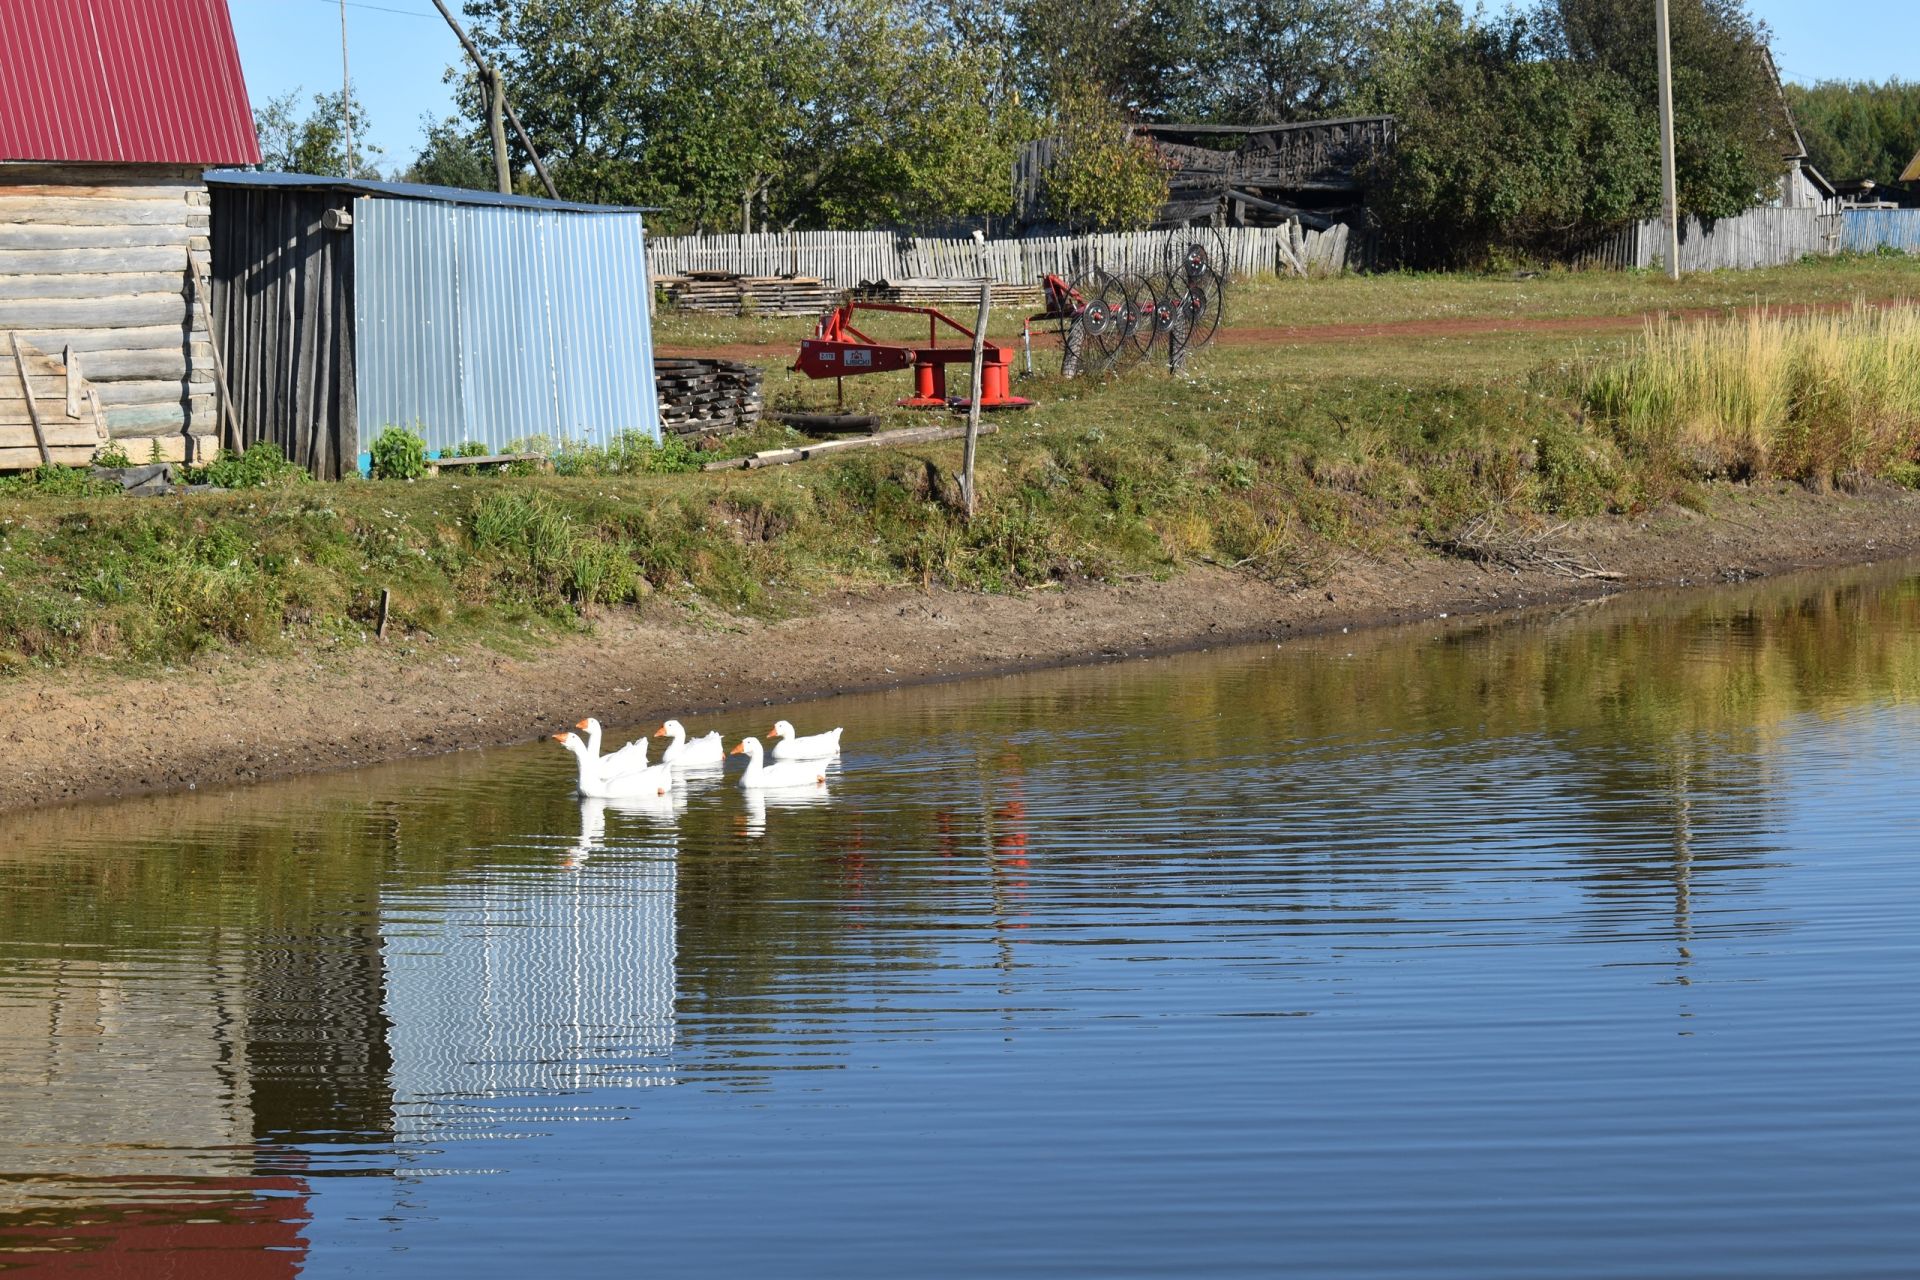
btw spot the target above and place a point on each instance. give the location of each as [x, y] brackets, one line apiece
[839, 350]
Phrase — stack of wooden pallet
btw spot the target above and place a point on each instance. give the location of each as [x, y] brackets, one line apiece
[728, 293]
[708, 397]
[948, 294]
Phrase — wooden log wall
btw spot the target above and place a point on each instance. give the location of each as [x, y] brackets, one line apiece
[98, 259]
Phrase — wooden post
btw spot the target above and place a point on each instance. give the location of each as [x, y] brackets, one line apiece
[33, 410]
[973, 400]
[386, 604]
[1669, 183]
[229, 422]
[495, 88]
[74, 381]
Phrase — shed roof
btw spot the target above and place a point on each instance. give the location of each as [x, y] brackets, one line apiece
[404, 191]
[123, 81]
[1912, 172]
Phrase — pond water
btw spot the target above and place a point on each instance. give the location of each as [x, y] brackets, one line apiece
[1581, 945]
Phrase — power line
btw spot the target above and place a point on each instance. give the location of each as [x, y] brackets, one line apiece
[381, 8]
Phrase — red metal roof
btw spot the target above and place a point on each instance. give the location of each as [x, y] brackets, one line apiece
[123, 81]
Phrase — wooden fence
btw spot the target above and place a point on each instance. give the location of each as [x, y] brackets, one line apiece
[1759, 238]
[849, 258]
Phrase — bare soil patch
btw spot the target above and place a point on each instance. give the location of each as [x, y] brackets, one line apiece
[75, 735]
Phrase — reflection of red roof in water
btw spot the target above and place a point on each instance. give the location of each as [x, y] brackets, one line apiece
[200, 1236]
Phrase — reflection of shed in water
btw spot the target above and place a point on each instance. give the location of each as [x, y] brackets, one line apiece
[528, 985]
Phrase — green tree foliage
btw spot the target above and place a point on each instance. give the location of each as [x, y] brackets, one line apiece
[455, 156]
[317, 141]
[1529, 133]
[1221, 61]
[1730, 128]
[824, 114]
[1100, 177]
[1857, 129]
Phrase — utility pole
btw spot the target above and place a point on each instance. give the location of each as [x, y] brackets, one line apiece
[490, 84]
[494, 86]
[346, 89]
[1669, 183]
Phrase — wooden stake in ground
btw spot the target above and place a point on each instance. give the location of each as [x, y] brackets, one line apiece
[973, 407]
[229, 421]
[33, 410]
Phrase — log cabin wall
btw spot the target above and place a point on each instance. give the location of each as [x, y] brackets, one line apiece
[100, 258]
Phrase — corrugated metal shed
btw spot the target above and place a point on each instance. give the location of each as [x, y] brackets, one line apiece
[495, 324]
[123, 81]
[464, 315]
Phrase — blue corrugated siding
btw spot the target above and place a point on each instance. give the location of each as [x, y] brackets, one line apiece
[494, 325]
[1866, 230]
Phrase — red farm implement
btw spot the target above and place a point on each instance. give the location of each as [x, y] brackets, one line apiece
[839, 350]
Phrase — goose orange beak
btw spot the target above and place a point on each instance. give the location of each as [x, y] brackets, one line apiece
[739, 749]
[580, 724]
[774, 732]
[661, 732]
[558, 737]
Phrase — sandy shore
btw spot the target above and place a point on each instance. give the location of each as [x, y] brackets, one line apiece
[84, 734]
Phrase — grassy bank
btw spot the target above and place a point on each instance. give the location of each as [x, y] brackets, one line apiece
[1262, 459]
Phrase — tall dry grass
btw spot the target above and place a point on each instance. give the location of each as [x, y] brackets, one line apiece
[1813, 397]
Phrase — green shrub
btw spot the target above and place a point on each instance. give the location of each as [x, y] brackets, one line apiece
[399, 454]
[58, 482]
[113, 454]
[262, 466]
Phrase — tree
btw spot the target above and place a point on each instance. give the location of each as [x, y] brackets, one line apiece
[1859, 130]
[1101, 177]
[1730, 127]
[1531, 133]
[826, 113]
[317, 142]
[454, 156]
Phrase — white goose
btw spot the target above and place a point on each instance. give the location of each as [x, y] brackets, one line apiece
[788, 746]
[632, 783]
[631, 756]
[684, 753]
[781, 773]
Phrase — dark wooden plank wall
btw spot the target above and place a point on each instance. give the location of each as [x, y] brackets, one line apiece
[283, 304]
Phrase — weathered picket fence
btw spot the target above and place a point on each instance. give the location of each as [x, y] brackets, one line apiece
[1759, 238]
[849, 258]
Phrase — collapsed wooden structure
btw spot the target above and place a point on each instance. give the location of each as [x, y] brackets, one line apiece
[1314, 172]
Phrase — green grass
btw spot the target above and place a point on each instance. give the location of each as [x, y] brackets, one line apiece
[1274, 459]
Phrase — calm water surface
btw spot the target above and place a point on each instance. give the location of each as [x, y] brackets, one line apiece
[1583, 946]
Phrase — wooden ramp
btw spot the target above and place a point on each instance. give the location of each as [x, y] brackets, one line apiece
[49, 415]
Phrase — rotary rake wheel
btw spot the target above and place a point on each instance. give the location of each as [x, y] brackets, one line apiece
[1136, 300]
[1068, 313]
[1197, 261]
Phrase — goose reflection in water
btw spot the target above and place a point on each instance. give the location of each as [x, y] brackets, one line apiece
[665, 807]
[756, 802]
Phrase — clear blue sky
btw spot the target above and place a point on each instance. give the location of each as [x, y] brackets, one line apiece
[400, 51]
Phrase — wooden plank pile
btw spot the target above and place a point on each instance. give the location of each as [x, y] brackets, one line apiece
[708, 397]
[727, 293]
[49, 413]
[946, 293]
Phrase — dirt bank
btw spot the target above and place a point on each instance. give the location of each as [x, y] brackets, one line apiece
[78, 735]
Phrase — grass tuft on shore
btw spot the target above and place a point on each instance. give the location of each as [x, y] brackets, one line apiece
[1820, 398]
